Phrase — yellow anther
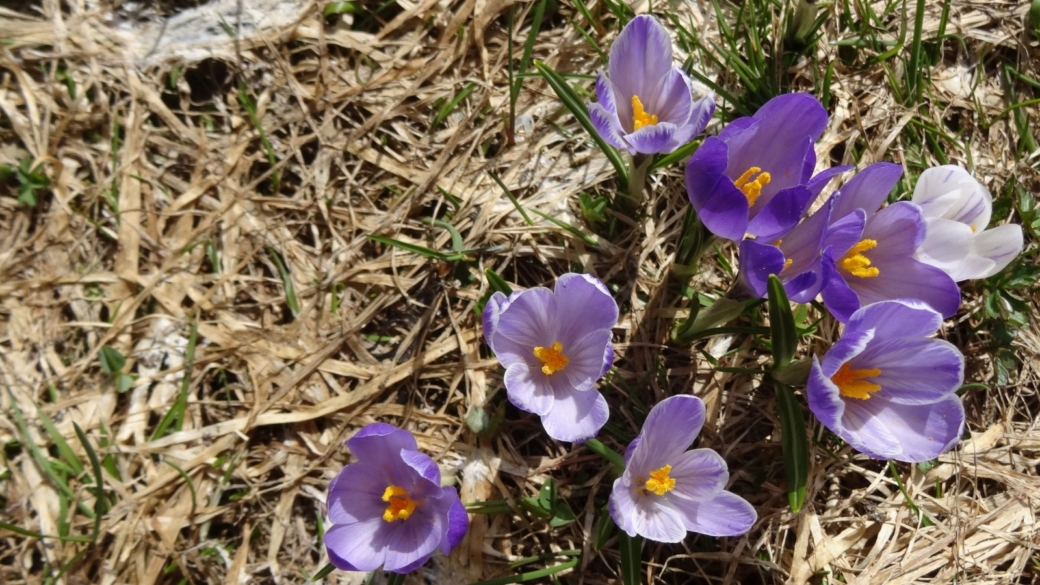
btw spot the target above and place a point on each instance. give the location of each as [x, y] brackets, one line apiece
[851, 383]
[973, 228]
[752, 188]
[856, 263]
[400, 505]
[552, 358]
[787, 264]
[660, 482]
[641, 117]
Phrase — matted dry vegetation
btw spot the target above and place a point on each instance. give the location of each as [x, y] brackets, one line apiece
[169, 216]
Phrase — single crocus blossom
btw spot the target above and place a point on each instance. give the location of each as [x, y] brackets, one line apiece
[877, 263]
[957, 209]
[388, 509]
[645, 105]
[554, 346]
[756, 177]
[667, 490]
[887, 388]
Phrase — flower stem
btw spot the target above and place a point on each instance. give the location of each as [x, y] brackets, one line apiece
[395, 578]
[637, 178]
[607, 453]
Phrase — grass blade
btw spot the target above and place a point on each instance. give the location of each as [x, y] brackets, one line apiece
[512, 198]
[447, 108]
[283, 273]
[631, 557]
[795, 443]
[175, 416]
[415, 248]
[781, 324]
[100, 505]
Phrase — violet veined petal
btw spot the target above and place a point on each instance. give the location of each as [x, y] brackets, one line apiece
[906, 278]
[639, 57]
[379, 442]
[851, 344]
[1001, 244]
[946, 243]
[780, 213]
[352, 547]
[412, 542]
[673, 100]
[528, 390]
[914, 370]
[838, 296]
[699, 474]
[867, 190]
[658, 138]
[865, 432]
[757, 262]
[898, 229]
[458, 522]
[669, 429]
[358, 498]
[902, 318]
[576, 417]
[727, 514]
[721, 207]
[586, 363]
[607, 127]
[922, 431]
[644, 516]
[587, 304]
[824, 398]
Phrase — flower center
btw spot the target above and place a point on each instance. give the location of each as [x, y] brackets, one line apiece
[641, 117]
[751, 183]
[857, 264]
[660, 483]
[552, 358]
[851, 383]
[973, 228]
[399, 505]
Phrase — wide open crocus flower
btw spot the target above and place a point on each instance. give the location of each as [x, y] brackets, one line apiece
[388, 509]
[878, 264]
[756, 177]
[667, 490]
[554, 347]
[956, 210]
[887, 388]
[646, 105]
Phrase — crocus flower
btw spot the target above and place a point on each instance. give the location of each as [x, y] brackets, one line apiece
[388, 509]
[646, 105]
[886, 388]
[957, 210]
[756, 177]
[878, 263]
[555, 346]
[667, 490]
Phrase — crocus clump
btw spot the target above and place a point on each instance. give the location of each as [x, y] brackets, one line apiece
[878, 263]
[645, 104]
[388, 509]
[887, 388]
[957, 209]
[667, 490]
[554, 346]
[756, 177]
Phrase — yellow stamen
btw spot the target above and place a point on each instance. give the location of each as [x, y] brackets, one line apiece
[752, 188]
[787, 264]
[973, 228]
[856, 263]
[552, 358]
[641, 117]
[401, 506]
[660, 483]
[851, 383]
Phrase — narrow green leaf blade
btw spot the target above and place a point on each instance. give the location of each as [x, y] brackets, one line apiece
[497, 283]
[781, 324]
[795, 443]
[631, 557]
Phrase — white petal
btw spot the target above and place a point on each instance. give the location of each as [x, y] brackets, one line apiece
[945, 241]
[1001, 245]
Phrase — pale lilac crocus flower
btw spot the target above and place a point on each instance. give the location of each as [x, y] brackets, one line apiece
[957, 209]
[645, 103]
[887, 388]
[877, 263]
[756, 177]
[554, 347]
[388, 509]
[667, 490]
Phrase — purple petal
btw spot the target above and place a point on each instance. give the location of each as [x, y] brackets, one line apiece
[817, 183]
[411, 542]
[899, 318]
[355, 494]
[670, 428]
[646, 516]
[583, 305]
[528, 321]
[673, 100]
[798, 114]
[868, 189]
[576, 416]
[757, 262]
[640, 56]
[458, 522]
[528, 390]
[426, 467]
[608, 127]
[824, 398]
[838, 296]
[586, 362]
[923, 432]
[780, 213]
[851, 344]
[867, 433]
[701, 114]
[898, 229]
[354, 546]
[914, 370]
[782, 156]
[722, 208]
[490, 317]
[658, 138]
[608, 360]
[844, 233]
[380, 442]
[909, 279]
[726, 515]
[699, 474]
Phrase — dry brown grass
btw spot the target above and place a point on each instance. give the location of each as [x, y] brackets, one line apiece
[118, 254]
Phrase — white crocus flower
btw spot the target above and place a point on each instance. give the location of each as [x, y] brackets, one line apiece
[957, 209]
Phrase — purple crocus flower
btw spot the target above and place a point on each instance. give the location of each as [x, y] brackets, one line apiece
[878, 264]
[388, 509]
[756, 176]
[554, 346]
[957, 209]
[886, 388]
[646, 105]
[667, 490]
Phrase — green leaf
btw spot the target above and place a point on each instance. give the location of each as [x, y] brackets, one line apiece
[676, 156]
[124, 382]
[577, 107]
[497, 283]
[721, 311]
[415, 248]
[547, 496]
[446, 109]
[604, 529]
[324, 572]
[564, 515]
[781, 324]
[539, 575]
[112, 362]
[597, 446]
[287, 283]
[100, 502]
[795, 443]
[333, 8]
[573, 230]
[631, 558]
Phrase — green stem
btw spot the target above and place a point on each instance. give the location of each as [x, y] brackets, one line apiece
[596, 446]
[641, 164]
[395, 578]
